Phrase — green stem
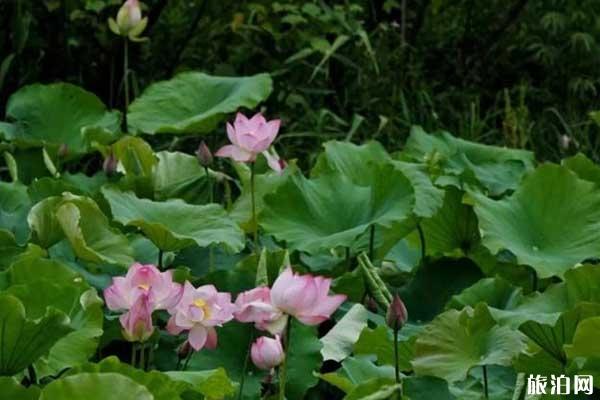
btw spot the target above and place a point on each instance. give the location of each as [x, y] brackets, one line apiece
[396, 356]
[187, 360]
[348, 259]
[211, 256]
[371, 242]
[142, 357]
[125, 82]
[254, 220]
[485, 382]
[160, 259]
[422, 240]
[245, 368]
[133, 354]
[535, 279]
[283, 368]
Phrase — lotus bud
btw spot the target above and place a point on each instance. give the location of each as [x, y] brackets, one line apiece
[267, 353]
[110, 164]
[129, 20]
[63, 151]
[205, 157]
[396, 314]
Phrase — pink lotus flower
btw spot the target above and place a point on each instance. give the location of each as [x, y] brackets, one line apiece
[162, 292]
[305, 297]
[198, 312]
[137, 322]
[267, 353]
[255, 306]
[250, 137]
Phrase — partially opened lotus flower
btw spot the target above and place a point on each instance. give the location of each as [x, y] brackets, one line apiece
[129, 20]
[305, 297]
[199, 311]
[255, 306]
[250, 137]
[137, 322]
[267, 353]
[162, 292]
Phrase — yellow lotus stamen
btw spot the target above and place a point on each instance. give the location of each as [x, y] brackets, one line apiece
[145, 287]
[201, 304]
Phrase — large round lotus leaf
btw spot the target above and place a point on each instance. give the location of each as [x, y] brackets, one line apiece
[173, 225]
[351, 160]
[453, 230]
[584, 167]
[96, 386]
[89, 232]
[22, 339]
[56, 114]
[497, 169]
[40, 283]
[13, 390]
[164, 386]
[193, 102]
[14, 206]
[551, 222]
[331, 210]
[456, 341]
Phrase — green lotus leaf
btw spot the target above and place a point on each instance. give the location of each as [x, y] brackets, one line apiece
[351, 160]
[356, 370]
[11, 389]
[234, 340]
[135, 156]
[453, 230]
[375, 389]
[509, 306]
[89, 232]
[9, 248]
[39, 282]
[550, 223]
[23, 339]
[331, 211]
[303, 360]
[14, 206]
[56, 114]
[584, 167]
[338, 342]
[45, 228]
[179, 175]
[268, 182]
[585, 340]
[194, 103]
[165, 385]
[173, 225]
[454, 342]
[459, 161]
[553, 338]
[96, 386]
[380, 342]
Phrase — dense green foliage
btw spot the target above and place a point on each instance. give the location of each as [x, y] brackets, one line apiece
[440, 151]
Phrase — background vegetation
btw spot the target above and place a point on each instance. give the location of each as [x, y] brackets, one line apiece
[520, 73]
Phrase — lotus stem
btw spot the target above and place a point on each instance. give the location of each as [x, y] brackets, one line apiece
[133, 354]
[160, 259]
[253, 197]
[187, 360]
[142, 356]
[211, 256]
[485, 382]
[245, 367]
[372, 241]
[422, 241]
[396, 356]
[283, 366]
[32, 375]
[125, 82]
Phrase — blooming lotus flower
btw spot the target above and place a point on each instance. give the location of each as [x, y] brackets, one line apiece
[129, 21]
[255, 306]
[250, 137]
[199, 311]
[267, 353]
[305, 297]
[137, 322]
[159, 287]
